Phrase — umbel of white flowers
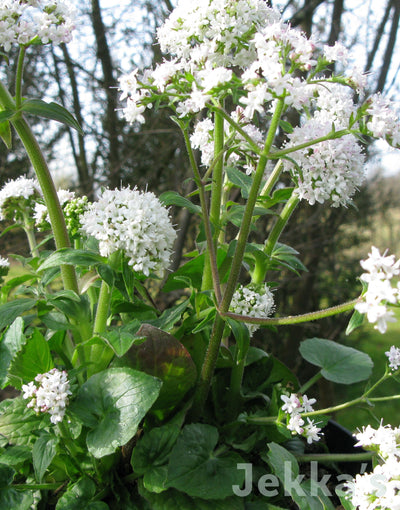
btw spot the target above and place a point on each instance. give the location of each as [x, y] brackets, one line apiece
[134, 222]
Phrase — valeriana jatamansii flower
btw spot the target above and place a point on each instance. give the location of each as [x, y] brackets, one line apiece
[49, 394]
[18, 197]
[43, 20]
[253, 301]
[134, 222]
[380, 269]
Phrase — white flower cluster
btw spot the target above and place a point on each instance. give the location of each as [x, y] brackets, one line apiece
[18, 194]
[253, 301]
[134, 222]
[4, 263]
[393, 355]
[238, 150]
[329, 170]
[383, 121]
[218, 45]
[294, 405]
[49, 394]
[380, 271]
[380, 489]
[21, 22]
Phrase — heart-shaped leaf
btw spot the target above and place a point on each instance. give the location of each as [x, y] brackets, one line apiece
[339, 363]
[112, 403]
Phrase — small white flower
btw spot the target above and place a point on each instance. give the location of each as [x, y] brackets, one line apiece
[295, 424]
[4, 263]
[312, 432]
[292, 404]
[394, 357]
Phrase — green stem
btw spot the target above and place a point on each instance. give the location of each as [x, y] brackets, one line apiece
[19, 76]
[216, 195]
[210, 359]
[335, 457]
[330, 136]
[294, 319]
[37, 486]
[238, 128]
[204, 209]
[27, 226]
[269, 185]
[262, 420]
[280, 224]
[46, 183]
[310, 382]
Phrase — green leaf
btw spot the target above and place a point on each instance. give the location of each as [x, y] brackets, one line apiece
[170, 316]
[51, 111]
[11, 499]
[80, 495]
[355, 321]
[13, 341]
[16, 455]
[163, 356]
[5, 115]
[346, 503]
[112, 404]
[5, 133]
[194, 468]
[34, 358]
[286, 126]
[240, 179]
[174, 198]
[71, 256]
[122, 338]
[153, 449]
[339, 363]
[18, 423]
[11, 310]
[43, 452]
[175, 500]
[242, 337]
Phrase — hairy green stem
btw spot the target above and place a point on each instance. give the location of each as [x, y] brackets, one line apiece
[335, 457]
[330, 136]
[364, 399]
[210, 359]
[19, 76]
[46, 183]
[271, 181]
[216, 195]
[294, 319]
[204, 209]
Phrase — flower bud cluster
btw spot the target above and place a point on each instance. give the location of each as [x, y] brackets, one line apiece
[134, 222]
[48, 394]
[41, 215]
[44, 21]
[378, 490]
[380, 270]
[294, 405]
[253, 301]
